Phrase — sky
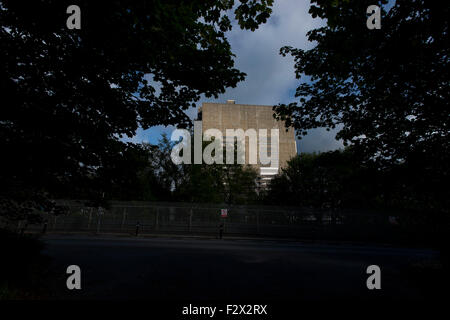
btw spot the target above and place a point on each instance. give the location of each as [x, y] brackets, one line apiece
[270, 77]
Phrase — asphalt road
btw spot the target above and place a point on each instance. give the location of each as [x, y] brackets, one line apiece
[230, 270]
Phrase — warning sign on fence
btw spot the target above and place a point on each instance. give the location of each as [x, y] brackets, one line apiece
[224, 213]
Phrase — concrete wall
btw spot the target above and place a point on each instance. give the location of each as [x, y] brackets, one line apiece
[224, 116]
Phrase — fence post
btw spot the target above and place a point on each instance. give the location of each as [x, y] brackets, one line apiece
[221, 228]
[124, 214]
[90, 218]
[22, 230]
[44, 229]
[157, 219]
[137, 228]
[98, 223]
[257, 221]
[190, 220]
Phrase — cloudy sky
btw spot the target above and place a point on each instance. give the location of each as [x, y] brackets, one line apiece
[270, 77]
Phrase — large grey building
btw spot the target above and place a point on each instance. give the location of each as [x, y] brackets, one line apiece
[231, 115]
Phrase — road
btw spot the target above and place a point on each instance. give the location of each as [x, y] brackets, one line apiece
[229, 270]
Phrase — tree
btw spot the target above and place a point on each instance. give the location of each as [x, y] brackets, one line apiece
[386, 90]
[218, 183]
[168, 176]
[342, 179]
[329, 180]
[70, 95]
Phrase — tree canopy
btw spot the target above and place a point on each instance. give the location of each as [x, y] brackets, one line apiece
[210, 183]
[329, 180]
[386, 90]
[70, 95]
[342, 180]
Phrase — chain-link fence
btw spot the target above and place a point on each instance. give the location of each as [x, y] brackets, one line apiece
[147, 218]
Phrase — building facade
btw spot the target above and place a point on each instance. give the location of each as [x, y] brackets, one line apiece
[231, 115]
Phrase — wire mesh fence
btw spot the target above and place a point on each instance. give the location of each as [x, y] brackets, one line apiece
[147, 218]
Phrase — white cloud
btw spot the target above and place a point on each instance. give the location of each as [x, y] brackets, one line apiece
[270, 77]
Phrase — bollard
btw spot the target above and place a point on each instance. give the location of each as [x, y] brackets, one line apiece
[123, 218]
[221, 230]
[190, 221]
[157, 219]
[137, 228]
[257, 221]
[98, 225]
[44, 229]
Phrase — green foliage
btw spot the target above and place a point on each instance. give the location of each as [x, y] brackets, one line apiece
[70, 95]
[386, 89]
[202, 183]
[343, 180]
[329, 180]
[231, 184]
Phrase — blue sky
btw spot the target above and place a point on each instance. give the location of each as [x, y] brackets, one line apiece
[270, 77]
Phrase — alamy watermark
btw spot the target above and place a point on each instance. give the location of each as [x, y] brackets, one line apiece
[74, 280]
[214, 151]
[74, 20]
[374, 20]
[374, 280]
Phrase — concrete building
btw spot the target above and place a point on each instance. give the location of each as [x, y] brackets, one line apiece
[231, 115]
